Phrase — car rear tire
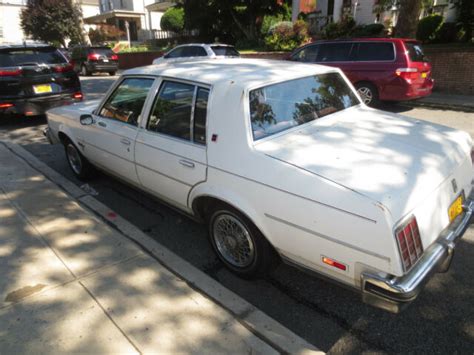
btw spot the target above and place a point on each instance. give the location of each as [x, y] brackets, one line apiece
[112, 73]
[79, 165]
[85, 71]
[239, 244]
[368, 93]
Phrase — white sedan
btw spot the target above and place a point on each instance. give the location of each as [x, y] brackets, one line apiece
[193, 51]
[283, 161]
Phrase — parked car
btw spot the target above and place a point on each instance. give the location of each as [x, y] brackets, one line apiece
[88, 60]
[284, 160]
[382, 69]
[198, 50]
[35, 77]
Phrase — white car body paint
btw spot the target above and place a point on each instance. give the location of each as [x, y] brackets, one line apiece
[338, 186]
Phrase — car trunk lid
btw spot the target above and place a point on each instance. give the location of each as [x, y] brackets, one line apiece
[391, 159]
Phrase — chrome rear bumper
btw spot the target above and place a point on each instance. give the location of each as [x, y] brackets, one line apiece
[394, 293]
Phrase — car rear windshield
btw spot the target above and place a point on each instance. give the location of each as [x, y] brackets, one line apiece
[415, 52]
[30, 56]
[102, 51]
[279, 107]
[225, 51]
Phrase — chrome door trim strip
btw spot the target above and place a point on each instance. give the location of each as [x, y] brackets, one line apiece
[323, 236]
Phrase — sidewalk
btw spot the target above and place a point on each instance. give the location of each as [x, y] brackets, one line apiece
[446, 102]
[73, 283]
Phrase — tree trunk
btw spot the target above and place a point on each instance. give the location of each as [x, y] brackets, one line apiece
[408, 17]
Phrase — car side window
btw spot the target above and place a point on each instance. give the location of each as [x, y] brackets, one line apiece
[173, 112]
[307, 54]
[372, 51]
[175, 53]
[126, 102]
[334, 52]
[200, 114]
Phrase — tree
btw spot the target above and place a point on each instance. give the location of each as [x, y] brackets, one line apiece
[466, 17]
[408, 16]
[229, 19]
[104, 33]
[52, 21]
[173, 20]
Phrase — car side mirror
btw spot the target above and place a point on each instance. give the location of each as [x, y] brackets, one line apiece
[86, 120]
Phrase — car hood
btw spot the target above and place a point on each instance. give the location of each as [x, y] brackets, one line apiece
[394, 160]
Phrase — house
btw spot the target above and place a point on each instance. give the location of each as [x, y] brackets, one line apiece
[364, 11]
[137, 18]
[10, 29]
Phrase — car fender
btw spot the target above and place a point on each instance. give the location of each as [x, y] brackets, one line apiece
[232, 198]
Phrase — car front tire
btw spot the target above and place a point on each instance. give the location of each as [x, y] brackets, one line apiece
[239, 244]
[84, 71]
[79, 165]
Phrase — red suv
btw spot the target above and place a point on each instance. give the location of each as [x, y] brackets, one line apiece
[385, 69]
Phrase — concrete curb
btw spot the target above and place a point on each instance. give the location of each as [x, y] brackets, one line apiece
[440, 106]
[260, 324]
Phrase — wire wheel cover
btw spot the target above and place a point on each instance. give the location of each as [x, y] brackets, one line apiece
[233, 241]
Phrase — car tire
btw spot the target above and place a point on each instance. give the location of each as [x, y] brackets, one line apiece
[79, 165]
[112, 73]
[85, 71]
[239, 244]
[368, 93]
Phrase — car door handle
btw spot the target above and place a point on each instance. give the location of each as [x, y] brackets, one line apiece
[102, 124]
[125, 141]
[186, 163]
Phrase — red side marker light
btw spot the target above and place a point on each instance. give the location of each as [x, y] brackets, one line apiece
[334, 263]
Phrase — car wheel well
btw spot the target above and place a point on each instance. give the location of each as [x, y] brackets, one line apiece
[204, 205]
[63, 137]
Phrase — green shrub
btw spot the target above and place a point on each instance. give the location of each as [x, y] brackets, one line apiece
[428, 26]
[448, 32]
[173, 20]
[372, 30]
[343, 28]
[286, 36]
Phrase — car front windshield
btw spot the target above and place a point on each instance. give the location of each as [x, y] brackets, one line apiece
[278, 107]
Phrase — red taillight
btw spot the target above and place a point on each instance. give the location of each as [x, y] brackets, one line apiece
[334, 263]
[63, 68]
[409, 243]
[6, 105]
[13, 72]
[407, 73]
[114, 57]
[93, 56]
[78, 96]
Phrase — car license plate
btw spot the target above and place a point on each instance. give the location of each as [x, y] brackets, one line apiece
[42, 89]
[455, 209]
[424, 75]
[106, 60]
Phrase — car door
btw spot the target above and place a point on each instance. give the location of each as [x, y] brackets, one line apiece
[170, 150]
[337, 54]
[109, 141]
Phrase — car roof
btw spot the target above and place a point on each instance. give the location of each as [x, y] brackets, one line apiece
[7, 47]
[203, 45]
[242, 72]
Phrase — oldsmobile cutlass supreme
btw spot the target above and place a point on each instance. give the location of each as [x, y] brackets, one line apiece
[284, 160]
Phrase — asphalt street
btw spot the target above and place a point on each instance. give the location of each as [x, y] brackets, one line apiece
[332, 318]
